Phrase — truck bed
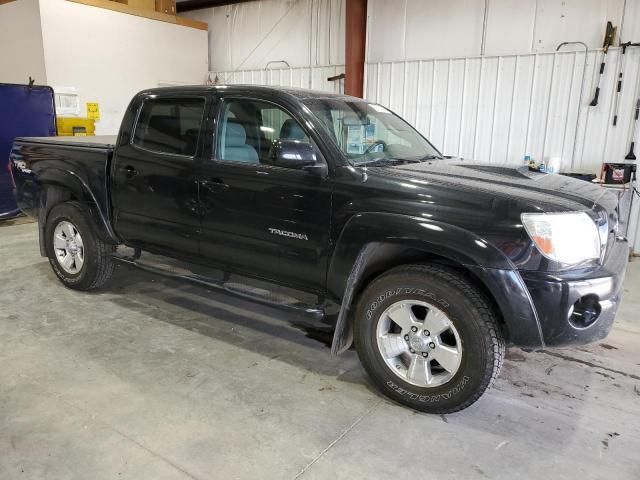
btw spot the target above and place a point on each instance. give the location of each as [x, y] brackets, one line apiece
[98, 141]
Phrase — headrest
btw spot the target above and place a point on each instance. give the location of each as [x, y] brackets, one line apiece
[291, 130]
[235, 135]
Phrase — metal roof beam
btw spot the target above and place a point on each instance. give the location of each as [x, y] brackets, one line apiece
[188, 5]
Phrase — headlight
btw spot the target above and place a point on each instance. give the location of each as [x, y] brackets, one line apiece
[568, 238]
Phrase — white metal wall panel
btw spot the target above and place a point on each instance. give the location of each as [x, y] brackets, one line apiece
[557, 21]
[314, 78]
[510, 27]
[498, 109]
[416, 29]
[438, 25]
[249, 35]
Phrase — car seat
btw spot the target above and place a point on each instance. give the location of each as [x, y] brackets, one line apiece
[235, 147]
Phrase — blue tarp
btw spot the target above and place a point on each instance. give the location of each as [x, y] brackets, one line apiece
[24, 112]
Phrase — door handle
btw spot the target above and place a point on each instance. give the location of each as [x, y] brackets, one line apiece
[129, 171]
[214, 185]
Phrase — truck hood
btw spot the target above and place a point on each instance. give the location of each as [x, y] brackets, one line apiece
[541, 191]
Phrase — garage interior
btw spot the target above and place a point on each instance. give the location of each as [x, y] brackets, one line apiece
[154, 378]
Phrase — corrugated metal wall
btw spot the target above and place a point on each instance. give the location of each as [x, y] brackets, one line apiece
[497, 109]
[314, 78]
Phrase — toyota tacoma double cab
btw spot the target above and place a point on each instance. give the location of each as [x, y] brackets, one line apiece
[343, 213]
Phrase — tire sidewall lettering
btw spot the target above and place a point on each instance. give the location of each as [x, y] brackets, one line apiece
[404, 291]
[436, 397]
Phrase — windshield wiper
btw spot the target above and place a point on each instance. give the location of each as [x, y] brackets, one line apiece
[378, 161]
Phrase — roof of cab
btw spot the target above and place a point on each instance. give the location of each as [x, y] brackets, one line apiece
[298, 93]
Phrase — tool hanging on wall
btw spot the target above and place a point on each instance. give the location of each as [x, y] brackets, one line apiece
[609, 36]
[631, 155]
[616, 107]
[634, 122]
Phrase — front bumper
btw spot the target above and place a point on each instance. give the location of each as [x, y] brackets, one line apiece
[557, 299]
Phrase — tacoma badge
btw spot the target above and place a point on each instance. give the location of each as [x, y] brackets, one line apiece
[283, 233]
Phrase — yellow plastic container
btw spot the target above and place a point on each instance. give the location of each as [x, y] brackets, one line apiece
[76, 127]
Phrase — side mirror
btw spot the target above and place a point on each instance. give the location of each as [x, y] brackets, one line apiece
[293, 154]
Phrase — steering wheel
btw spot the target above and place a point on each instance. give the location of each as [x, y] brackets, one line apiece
[375, 144]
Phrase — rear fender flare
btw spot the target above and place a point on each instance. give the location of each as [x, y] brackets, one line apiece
[59, 186]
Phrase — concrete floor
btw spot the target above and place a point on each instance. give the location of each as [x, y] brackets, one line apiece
[152, 379]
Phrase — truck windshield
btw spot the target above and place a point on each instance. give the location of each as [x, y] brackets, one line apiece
[367, 133]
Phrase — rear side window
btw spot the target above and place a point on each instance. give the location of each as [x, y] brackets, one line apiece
[170, 125]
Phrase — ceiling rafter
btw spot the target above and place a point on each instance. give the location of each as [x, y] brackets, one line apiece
[187, 5]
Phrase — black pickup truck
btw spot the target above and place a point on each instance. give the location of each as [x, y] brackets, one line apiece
[342, 212]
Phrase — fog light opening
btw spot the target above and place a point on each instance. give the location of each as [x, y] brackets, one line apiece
[585, 312]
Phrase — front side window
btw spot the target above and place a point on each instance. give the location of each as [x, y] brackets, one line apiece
[170, 125]
[250, 128]
[367, 133]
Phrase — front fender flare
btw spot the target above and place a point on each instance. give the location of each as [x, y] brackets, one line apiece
[364, 234]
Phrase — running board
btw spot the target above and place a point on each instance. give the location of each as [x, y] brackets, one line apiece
[246, 292]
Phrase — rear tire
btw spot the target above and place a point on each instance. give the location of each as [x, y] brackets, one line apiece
[78, 257]
[428, 338]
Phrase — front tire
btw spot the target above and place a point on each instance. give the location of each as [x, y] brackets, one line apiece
[428, 338]
[78, 257]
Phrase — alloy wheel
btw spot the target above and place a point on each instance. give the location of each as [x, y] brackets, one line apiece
[419, 343]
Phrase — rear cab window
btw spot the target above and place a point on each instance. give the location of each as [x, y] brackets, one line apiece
[169, 125]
